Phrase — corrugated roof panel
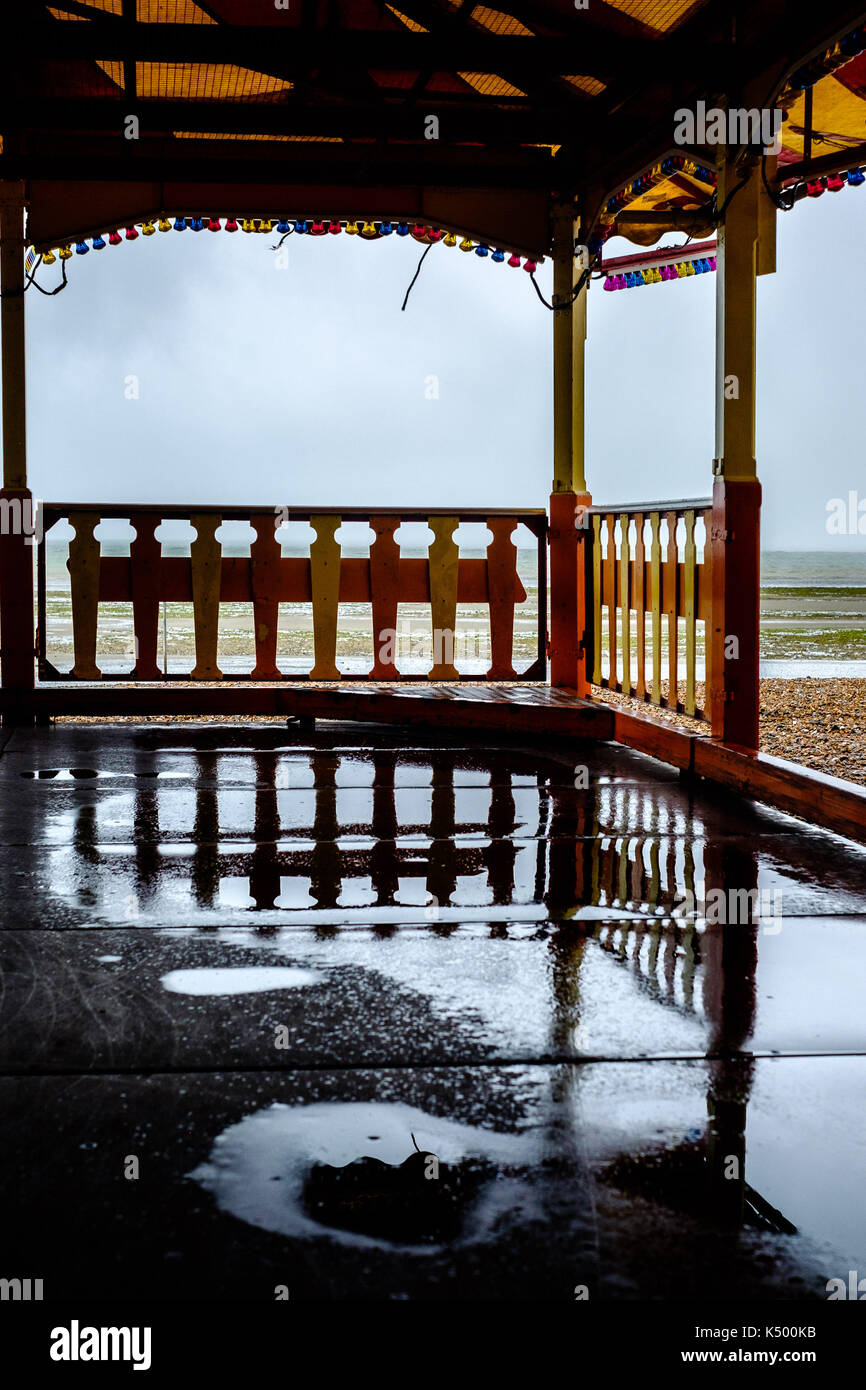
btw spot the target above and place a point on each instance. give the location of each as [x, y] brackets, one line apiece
[206, 82]
[64, 14]
[489, 85]
[661, 15]
[590, 85]
[114, 71]
[497, 22]
[172, 12]
[410, 23]
[297, 139]
[108, 6]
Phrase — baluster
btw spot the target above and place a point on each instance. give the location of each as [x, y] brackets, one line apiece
[84, 566]
[325, 580]
[206, 568]
[624, 603]
[502, 584]
[597, 599]
[705, 590]
[610, 599]
[145, 554]
[689, 611]
[443, 564]
[671, 597]
[384, 595]
[640, 604]
[656, 577]
[265, 565]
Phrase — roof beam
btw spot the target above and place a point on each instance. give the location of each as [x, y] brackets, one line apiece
[298, 50]
[462, 121]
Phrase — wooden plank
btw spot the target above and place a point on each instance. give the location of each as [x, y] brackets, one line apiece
[145, 553]
[650, 735]
[837, 805]
[439, 708]
[656, 579]
[265, 556]
[690, 557]
[443, 558]
[384, 596]
[325, 581]
[205, 569]
[501, 577]
[624, 600]
[293, 582]
[640, 603]
[598, 599]
[610, 600]
[83, 566]
[671, 600]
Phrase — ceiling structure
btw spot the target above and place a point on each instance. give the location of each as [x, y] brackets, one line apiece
[474, 119]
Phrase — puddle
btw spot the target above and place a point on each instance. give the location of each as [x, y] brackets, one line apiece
[273, 1167]
[66, 774]
[253, 979]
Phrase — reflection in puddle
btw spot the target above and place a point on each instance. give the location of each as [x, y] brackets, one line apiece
[253, 979]
[276, 1168]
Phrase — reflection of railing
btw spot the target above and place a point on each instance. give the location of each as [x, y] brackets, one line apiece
[319, 844]
[644, 564]
[266, 578]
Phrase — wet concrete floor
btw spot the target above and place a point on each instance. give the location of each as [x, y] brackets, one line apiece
[367, 1021]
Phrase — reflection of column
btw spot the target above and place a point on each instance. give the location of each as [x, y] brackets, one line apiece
[442, 869]
[265, 871]
[325, 861]
[205, 832]
[567, 946]
[572, 834]
[84, 843]
[383, 861]
[730, 951]
[500, 854]
[145, 822]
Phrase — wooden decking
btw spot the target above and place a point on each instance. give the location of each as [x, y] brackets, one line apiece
[529, 709]
[537, 711]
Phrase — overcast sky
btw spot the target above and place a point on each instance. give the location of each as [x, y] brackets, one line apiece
[307, 385]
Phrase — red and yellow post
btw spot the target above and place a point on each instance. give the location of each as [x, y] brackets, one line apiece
[570, 532]
[746, 249]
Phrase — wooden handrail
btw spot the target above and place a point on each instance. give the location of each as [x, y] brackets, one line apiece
[635, 508]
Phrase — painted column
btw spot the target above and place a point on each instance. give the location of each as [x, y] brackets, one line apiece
[569, 524]
[746, 249]
[16, 513]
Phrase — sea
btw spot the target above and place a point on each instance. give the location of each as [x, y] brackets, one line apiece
[813, 622]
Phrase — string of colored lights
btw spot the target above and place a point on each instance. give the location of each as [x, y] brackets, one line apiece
[654, 274]
[284, 226]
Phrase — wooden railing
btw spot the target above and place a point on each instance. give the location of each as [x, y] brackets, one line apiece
[266, 578]
[648, 565]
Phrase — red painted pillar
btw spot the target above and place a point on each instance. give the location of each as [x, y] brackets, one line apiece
[570, 537]
[733, 644]
[17, 652]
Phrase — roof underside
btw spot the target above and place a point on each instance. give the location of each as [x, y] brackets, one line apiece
[322, 107]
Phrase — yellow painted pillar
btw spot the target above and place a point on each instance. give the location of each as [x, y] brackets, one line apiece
[569, 350]
[569, 523]
[746, 248]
